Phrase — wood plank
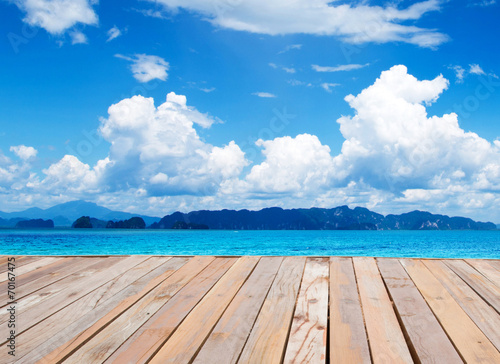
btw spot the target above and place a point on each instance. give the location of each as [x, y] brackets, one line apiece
[348, 341]
[267, 340]
[428, 339]
[78, 288]
[31, 301]
[75, 335]
[36, 264]
[479, 283]
[20, 261]
[308, 335]
[53, 325]
[387, 341]
[486, 269]
[192, 332]
[102, 345]
[485, 317]
[154, 333]
[49, 274]
[226, 341]
[472, 345]
[495, 263]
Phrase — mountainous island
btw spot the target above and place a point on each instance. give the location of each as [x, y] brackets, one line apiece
[338, 218]
[87, 215]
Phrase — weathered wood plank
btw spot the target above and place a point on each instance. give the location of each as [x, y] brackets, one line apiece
[472, 345]
[267, 340]
[20, 261]
[42, 308]
[486, 269]
[75, 335]
[387, 341]
[308, 335]
[182, 346]
[485, 317]
[36, 264]
[47, 275]
[226, 341]
[428, 340]
[53, 325]
[146, 341]
[102, 345]
[479, 283]
[348, 341]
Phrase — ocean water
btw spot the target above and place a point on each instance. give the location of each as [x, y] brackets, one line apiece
[425, 244]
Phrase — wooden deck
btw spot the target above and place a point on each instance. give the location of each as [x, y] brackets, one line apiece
[204, 309]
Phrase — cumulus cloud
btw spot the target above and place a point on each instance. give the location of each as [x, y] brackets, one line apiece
[264, 94]
[113, 33]
[359, 23]
[392, 143]
[57, 16]
[343, 67]
[146, 67]
[24, 152]
[297, 165]
[159, 150]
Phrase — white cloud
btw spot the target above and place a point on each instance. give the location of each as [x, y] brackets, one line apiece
[343, 67]
[476, 69]
[297, 165]
[146, 67]
[286, 69]
[24, 152]
[113, 33]
[459, 73]
[70, 175]
[327, 86]
[207, 89]
[159, 150]
[57, 16]
[264, 94]
[78, 37]
[391, 142]
[290, 47]
[484, 3]
[359, 23]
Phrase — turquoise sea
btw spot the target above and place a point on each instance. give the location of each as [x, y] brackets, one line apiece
[427, 244]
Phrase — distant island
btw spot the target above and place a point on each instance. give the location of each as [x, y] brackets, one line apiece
[338, 218]
[87, 215]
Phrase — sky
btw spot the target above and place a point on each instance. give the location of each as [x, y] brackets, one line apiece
[158, 106]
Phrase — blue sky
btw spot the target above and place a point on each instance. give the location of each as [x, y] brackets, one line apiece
[257, 113]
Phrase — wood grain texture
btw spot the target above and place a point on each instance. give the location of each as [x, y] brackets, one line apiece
[428, 340]
[58, 348]
[267, 341]
[205, 310]
[57, 323]
[479, 283]
[307, 341]
[484, 316]
[471, 343]
[486, 269]
[226, 341]
[348, 341]
[104, 343]
[387, 342]
[182, 346]
[146, 341]
[26, 268]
